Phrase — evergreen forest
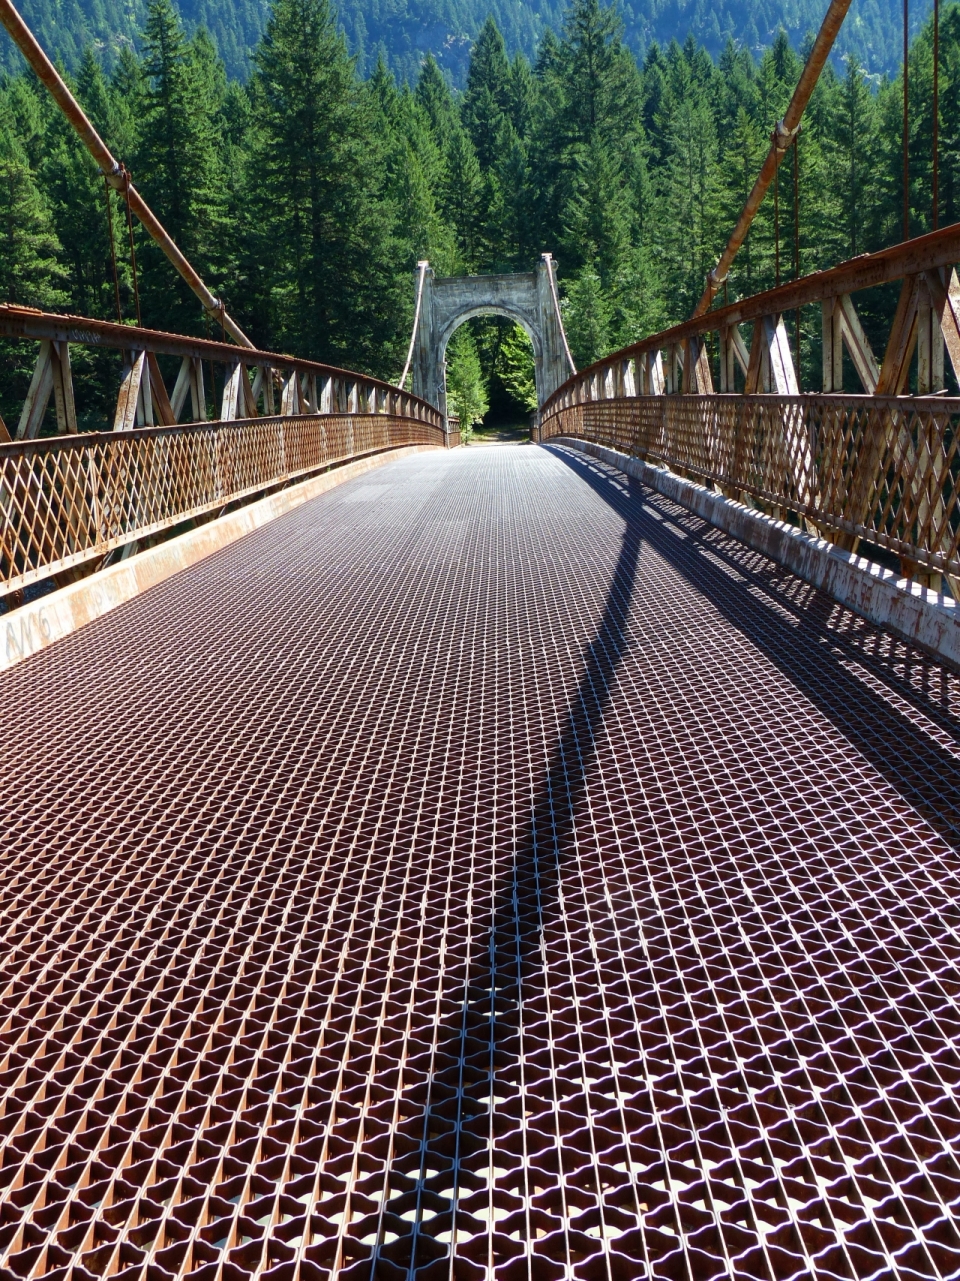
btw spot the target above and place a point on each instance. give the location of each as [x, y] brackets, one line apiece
[403, 32]
[306, 193]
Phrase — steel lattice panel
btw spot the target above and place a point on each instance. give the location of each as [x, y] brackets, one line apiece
[485, 869]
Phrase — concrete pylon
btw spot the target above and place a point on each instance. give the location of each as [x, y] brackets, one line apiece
[525, 297]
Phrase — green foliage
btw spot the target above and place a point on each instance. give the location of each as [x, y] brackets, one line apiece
[30, 270]
[404, 33]
[178, 163]
[306, 195]
[516, 368]
[327, 282]
[466, 387]
[586, 318]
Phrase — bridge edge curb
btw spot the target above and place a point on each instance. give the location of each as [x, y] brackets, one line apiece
[41, 623]
[914, 613]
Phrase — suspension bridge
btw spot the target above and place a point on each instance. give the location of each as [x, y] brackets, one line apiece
[523, 863]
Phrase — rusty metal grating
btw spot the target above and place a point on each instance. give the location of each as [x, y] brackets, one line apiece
[486, 870]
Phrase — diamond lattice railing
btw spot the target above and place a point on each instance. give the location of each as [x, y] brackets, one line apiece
[64, 502]
[886, 470]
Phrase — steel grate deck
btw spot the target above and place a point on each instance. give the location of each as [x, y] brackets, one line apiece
[486, 871]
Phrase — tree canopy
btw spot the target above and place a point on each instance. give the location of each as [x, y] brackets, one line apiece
[307, 194]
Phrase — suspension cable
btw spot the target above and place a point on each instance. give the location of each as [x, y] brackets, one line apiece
[785, 130]
[423, 264]
[548, 259]
[936, 114]
[133, 251]
[776, 221]
[906, 120]
[796, 248]
[47, 73]
[113, 250]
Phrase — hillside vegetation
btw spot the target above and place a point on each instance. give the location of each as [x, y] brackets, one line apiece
[403, 32]
[307, 194]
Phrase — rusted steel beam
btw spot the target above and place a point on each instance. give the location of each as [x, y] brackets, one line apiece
[923, 253]
[25, 322]
[110, 167]
[783, 137]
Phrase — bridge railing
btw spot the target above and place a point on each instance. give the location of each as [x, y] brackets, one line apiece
[69, 500]
[879, 466]
[882, 469]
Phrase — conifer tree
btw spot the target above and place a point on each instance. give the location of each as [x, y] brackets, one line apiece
[466, 390]
[586, 318]
[488, 96]
[76, 196]
[178, 165]
[521, 94]
[691, 230]
[602, 86]
[461, 196]
[950, 119]
[30, 273]
[742, 157]
[854, 144]
[415, 174]
[330, 280]
[513, 230]
[599, 215]
[516, 368]
[435, 99]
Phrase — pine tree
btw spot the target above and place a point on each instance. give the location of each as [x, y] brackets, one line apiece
[516, 368]
[466, 390]
[742, 158]
[586, 318]
[950, 119]
[602, 85]
[435, 99]
[691, 232]
[75, 195]
[330, 280]
[415, 169]
[522, 89]
[855, 154]
[30, 272]
[461, 197]
[487, 100]
[178, 165]
[599, 215]
[514, 230]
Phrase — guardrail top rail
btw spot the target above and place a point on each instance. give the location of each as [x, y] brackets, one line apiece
[280, 382]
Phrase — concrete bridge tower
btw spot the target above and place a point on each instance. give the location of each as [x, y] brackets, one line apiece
[529, 298]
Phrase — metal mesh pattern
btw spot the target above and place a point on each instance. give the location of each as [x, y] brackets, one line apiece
[65, 502]
[883, 469]
[487, 870]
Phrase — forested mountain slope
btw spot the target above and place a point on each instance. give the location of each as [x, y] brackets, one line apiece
[306, 195]
[404, 31]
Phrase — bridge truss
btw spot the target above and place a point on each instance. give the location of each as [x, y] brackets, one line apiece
[880, 467]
